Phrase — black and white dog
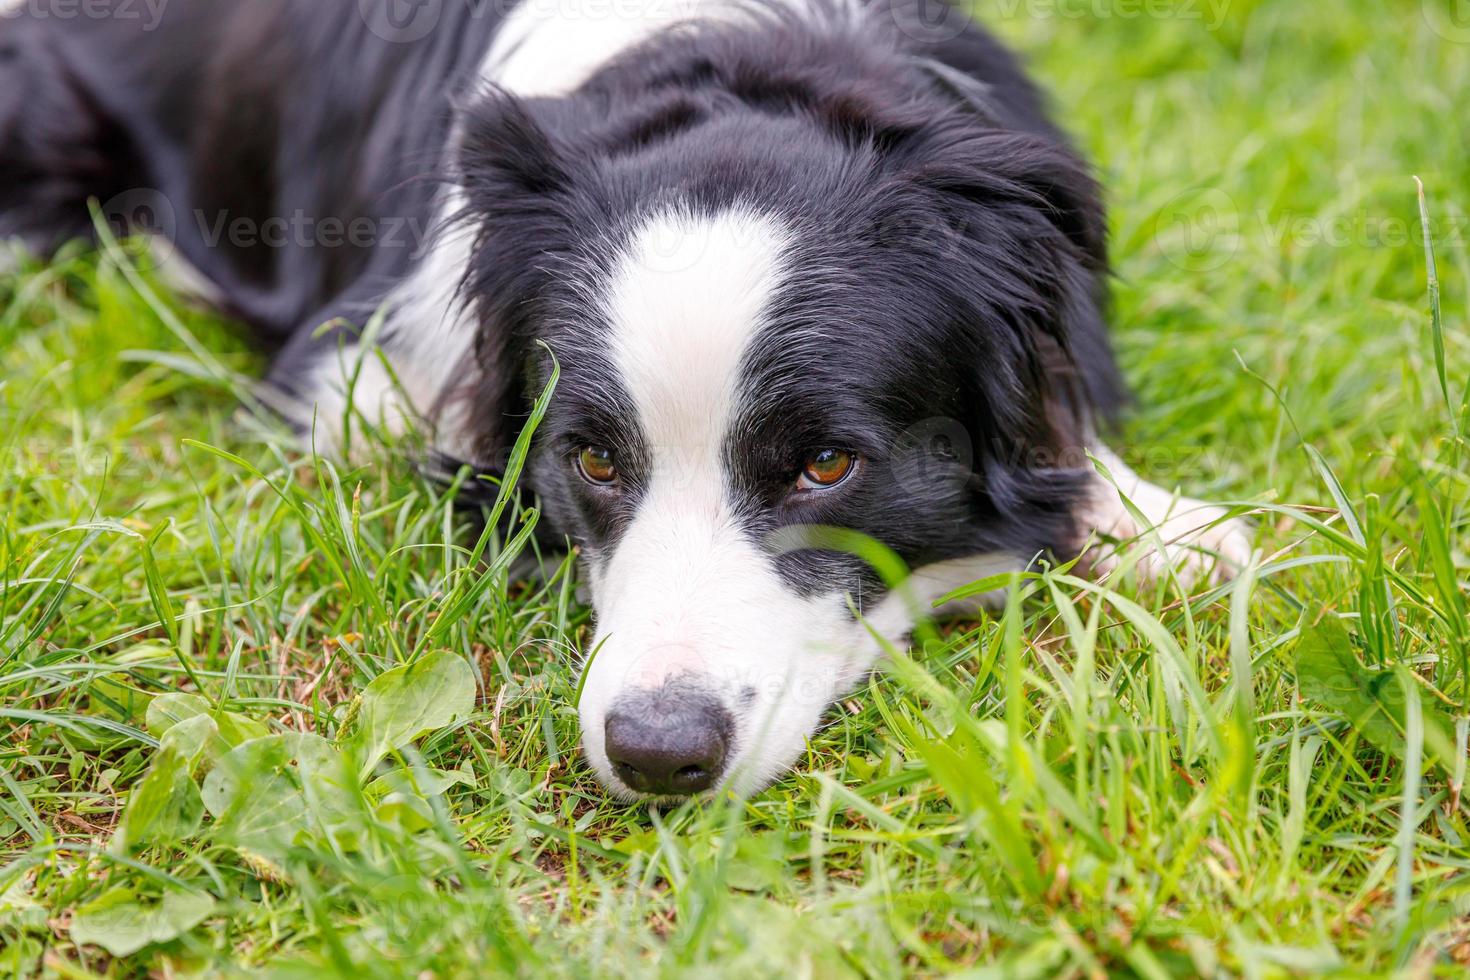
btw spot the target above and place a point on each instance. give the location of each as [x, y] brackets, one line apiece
[803, 264]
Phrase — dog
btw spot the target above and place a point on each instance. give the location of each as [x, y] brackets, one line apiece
[796, 265]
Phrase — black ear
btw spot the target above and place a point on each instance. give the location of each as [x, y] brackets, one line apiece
[515, 187]
[1023, 263]
[1021, 172]
[1031, 236]
[503, 148]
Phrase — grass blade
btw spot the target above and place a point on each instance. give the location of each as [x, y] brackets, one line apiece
[1436, 316]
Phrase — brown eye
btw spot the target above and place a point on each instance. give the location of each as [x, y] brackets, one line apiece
[597, 467]
[827, 469]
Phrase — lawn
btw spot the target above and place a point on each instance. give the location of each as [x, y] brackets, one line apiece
[264, 712]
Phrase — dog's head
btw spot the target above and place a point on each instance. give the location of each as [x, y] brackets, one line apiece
[774, 315]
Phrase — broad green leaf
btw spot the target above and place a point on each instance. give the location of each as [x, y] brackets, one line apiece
[1373, 701]
[269, 795]
[19, 908]
[418, 782]
[165, 806]
[413, 700]
[122, 924]
[411, 814]
[109, 697]
[757, 862]
[405, 794]
[168, 710]
[191, 738]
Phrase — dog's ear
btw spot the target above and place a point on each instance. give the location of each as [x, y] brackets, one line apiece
[1021, 259]
[505, 154]
[1035, 179]
[514, 184]
[1029, 235]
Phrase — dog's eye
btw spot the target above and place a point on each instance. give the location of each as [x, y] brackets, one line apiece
[597, 467]
[827, 469]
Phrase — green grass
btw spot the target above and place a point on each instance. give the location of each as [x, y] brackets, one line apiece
[1122, 781]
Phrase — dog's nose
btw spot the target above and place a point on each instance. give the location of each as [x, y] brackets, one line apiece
[665, 749]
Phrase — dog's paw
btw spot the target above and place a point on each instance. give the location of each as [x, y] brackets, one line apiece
[1199, 542]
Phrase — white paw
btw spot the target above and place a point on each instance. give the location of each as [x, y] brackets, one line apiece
[1199, 542]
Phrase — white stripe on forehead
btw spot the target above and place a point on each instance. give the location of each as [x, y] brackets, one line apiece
[687, 297]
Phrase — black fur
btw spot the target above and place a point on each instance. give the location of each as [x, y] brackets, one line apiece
[946, 315]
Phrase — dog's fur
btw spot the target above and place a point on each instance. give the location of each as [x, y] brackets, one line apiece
[746, 232]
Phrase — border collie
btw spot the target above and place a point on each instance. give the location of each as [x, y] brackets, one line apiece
[802, 265]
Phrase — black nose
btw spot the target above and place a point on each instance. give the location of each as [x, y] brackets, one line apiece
[668, 745]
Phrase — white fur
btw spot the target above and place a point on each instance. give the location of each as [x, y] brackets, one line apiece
[377, 401]
[431, 330]
[686, 593]
[1200, 541]
[685, 302]
[550, 47]
[920, 597]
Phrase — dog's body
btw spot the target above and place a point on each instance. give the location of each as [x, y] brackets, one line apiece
[803, 264]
